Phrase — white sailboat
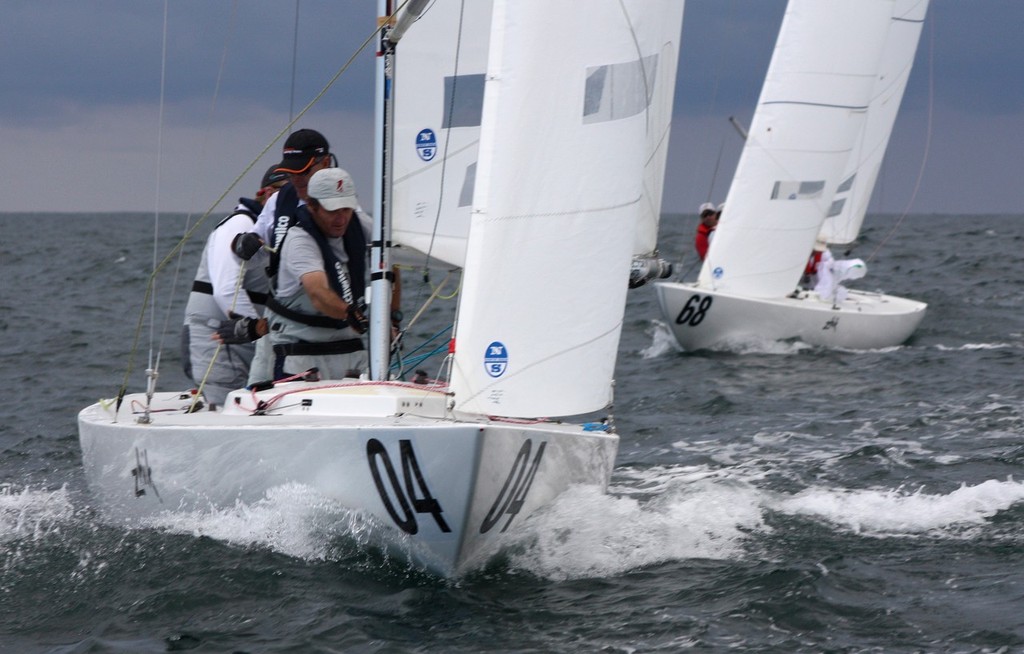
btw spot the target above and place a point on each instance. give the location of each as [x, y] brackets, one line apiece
[806, 172]
[573, 113]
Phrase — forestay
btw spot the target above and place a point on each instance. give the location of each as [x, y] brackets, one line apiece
[811, 111]
[846, 213]
[560, 188]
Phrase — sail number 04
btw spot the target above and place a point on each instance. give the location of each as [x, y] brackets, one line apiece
[516, 487]
[413, 496]
[694, 311]
[408, 500]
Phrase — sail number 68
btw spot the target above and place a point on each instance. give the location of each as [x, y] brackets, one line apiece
[694, 310]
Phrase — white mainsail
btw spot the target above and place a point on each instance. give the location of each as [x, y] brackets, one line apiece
[811, 111]
[437, 129]
[440, 86]
[564, 148]
[660, 72]
[846, 214]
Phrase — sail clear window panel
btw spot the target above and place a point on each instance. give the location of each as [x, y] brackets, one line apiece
[847, 184]
[837, 207]
[617, 91]
[463, 100]
[797, 190]
[468, 183]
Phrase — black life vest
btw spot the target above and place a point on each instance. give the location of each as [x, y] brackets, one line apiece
[285, 215]
[350, 287]
[250, 207]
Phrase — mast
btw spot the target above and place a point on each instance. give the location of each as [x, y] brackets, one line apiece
[381, 276]
[380, 264]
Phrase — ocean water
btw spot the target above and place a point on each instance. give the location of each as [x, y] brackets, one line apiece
[771, 498]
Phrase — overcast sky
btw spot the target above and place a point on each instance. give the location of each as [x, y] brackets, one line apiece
[81, 124]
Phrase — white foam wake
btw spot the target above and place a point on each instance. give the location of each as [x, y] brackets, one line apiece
[901, 512]
[292, 519]
[695, 515]
[32, 514]
[588, 534]
[662, 341]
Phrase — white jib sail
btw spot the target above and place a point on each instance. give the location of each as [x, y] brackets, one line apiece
[811, 111]
[850, 204]
[559, 192]
[439, 98]
[662, 83]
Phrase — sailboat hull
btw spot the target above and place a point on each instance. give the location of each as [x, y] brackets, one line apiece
[702, 318]
[438, 491]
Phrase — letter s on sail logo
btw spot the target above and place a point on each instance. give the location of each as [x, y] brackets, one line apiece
[496, 359]
[426, 144]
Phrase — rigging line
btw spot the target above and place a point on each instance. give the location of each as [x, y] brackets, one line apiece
[433, 296]
[202, 157]
[295, 59]
[192, 230]
[156, 213]
[713, 102]
[447, 141]
[927, 142]
[432, 286]
[714, 172]
[444, 176]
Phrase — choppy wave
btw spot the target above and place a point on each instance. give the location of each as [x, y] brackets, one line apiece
[898, 512]
[742, 475]
[589, 534]
[33, 514]
[676, 515]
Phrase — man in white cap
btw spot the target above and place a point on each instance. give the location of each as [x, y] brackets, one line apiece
[317, 312]
[708, 222]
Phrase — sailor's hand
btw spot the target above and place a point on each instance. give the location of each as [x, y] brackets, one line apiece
[246, 245]
[240, 330]
[357, 317]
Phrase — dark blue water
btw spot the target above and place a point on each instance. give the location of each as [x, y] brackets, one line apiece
[777, 499]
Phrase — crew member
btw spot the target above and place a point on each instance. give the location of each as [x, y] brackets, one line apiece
[222, 317]
[318, 313]
[705, 230]
[305, 152]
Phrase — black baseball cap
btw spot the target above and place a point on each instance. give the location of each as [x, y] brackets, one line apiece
[301, 149]
[273, 176]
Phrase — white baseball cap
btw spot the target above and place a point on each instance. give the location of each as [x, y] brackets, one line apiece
[334, 189]
[707, 206]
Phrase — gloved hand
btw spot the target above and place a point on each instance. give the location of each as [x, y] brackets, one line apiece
[357, 317]
[238, 330]
[246, 245]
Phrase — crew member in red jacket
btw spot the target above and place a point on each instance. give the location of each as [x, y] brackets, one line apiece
[708, 221]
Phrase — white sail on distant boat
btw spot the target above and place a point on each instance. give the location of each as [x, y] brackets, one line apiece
[561, 169]
[806, 173]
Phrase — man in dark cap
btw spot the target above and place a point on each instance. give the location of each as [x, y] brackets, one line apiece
[219, 309]
[305, 152]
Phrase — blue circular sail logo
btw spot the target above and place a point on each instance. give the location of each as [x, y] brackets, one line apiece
[717, 273]
[426, 144]
[496, 359]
